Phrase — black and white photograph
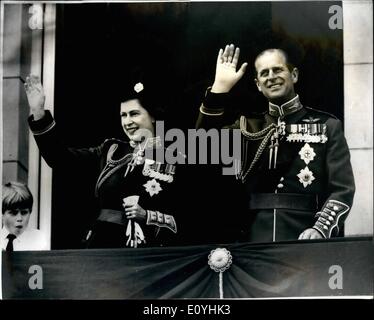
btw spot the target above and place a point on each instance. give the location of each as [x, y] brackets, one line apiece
[186, 150]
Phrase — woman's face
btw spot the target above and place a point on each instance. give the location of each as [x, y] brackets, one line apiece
[136, 121]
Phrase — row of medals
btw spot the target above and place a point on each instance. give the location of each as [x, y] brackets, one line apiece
[154, 169]
[308, 133]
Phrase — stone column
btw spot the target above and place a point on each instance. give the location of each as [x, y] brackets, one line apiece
[16, 64]
[358, 109]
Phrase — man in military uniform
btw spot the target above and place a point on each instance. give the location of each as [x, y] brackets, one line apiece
[295, 165]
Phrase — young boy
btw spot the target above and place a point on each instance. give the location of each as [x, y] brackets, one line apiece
[16, 210]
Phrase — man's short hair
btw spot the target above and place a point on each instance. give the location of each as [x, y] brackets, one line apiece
[16, 195]
[290, 65]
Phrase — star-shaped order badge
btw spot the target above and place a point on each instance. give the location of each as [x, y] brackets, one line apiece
[152, 187]
[306, 177]
[307, 153]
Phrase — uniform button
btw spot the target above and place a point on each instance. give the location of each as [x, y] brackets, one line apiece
[280, 186]
[331, 218]
[333, 214]
[281, 179]
[336, 208]
[324, 227]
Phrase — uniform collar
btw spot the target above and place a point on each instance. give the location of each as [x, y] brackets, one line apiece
[285, 109]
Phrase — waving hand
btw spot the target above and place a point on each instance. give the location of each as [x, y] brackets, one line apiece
[35, 96]
[226, 74]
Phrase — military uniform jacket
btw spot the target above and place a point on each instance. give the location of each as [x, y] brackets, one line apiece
[296, 168]
[120, 173]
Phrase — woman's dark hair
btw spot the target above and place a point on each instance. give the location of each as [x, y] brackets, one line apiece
[148, 95]
[16, 195]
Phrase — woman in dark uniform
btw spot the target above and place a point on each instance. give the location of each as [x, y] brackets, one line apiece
[134, 187]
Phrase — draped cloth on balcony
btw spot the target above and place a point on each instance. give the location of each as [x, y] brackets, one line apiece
[288, 269]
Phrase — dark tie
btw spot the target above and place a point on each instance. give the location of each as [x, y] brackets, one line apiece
[9, 246]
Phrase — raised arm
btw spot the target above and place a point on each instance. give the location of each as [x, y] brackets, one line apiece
[35, 96]
[226, 74]
[47, 137]
[212, 110]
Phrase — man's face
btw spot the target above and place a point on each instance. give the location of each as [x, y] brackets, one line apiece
[16, 220]
[274, 79]
[135, 120]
